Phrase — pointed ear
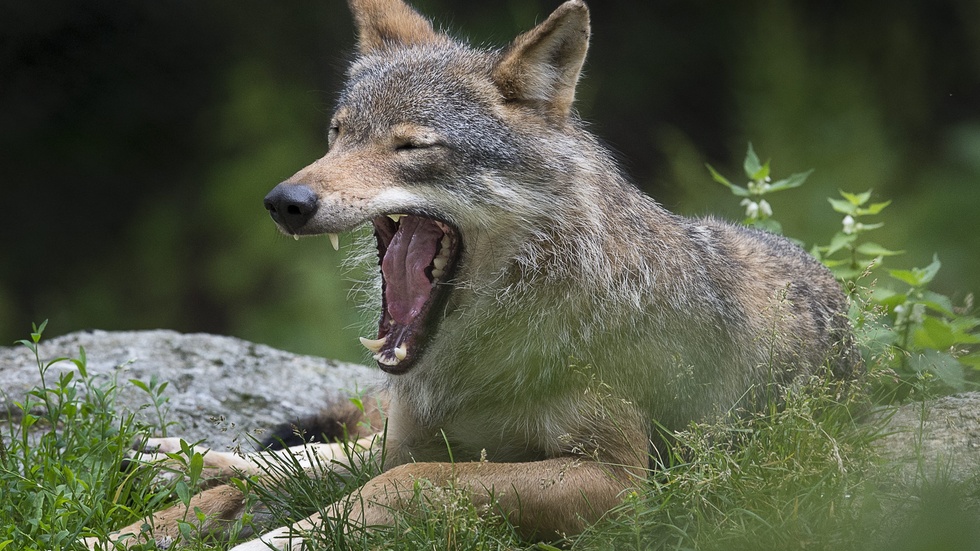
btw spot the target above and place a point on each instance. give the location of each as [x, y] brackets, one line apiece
[382, 23]
[542, 66]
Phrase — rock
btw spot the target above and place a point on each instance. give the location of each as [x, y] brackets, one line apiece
[936, 440]
[221, 389]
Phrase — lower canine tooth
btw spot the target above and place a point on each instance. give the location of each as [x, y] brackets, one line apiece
[396, 217]
[401, 352]
[334, 241]
[374, 345]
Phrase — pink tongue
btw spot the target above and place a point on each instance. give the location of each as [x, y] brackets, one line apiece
[409, 253]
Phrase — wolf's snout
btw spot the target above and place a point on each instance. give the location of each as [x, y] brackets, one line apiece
[291, 205]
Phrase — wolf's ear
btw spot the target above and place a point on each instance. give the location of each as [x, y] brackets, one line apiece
[382, 23]
[541, 67]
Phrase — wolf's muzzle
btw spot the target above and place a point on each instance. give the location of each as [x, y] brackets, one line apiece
[291, 206]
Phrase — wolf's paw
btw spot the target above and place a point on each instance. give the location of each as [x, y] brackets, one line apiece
[125, 542]
[168, 456]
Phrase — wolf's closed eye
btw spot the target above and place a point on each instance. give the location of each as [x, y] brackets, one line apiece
[418, 142]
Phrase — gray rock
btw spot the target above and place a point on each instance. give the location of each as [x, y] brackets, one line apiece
[935, 440]
[221, 389]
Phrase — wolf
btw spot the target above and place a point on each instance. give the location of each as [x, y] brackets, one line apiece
[542, 323]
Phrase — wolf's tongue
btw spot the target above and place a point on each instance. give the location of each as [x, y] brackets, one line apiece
[410, 252]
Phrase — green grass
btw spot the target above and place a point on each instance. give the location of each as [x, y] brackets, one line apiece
[60, 463]
[804, 476]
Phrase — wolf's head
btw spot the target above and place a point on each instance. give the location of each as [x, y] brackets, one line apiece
[445, 149]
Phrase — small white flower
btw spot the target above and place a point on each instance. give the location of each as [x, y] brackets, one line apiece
[849, 225]
[758, 187]
[751, 208]
[765, 209]
[918, 313]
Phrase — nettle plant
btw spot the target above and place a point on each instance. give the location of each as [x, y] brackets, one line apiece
[918, 339]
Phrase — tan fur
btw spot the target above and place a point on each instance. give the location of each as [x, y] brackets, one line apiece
[580, 318]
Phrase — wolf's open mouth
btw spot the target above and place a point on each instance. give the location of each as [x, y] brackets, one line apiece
[417, 257]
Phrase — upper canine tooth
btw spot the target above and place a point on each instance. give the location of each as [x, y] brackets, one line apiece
[334, 241]
[296, 236]
[374, 345]
[401, 352]
[396, 217]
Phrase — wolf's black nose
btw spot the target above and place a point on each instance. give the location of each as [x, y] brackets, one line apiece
[291, 205]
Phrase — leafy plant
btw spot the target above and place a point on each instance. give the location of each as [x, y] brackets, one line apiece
[758, 211]
[918, 335]
[59, 462]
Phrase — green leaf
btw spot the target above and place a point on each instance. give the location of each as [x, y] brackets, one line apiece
[840, 241]
[874, 249]
[196, 466]
[963, 323]
[940, 334]
[186, 530]
[29, 344]
[238, 483]
[736, 190]
[918, 277]
[81, 362]
[935, 334]
[846, 272]
[879, 294]
[857, 199]
[795, 180]
[875, 208]
[942, 365]
[183, 492]
[752, 165]
[358, 403]
[842, 207]
[938, 303]
[972, 360]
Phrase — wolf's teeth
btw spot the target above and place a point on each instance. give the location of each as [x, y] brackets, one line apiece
[334, 241]
[396, 217]
[374, 345]
[439, 262]
[401, 352]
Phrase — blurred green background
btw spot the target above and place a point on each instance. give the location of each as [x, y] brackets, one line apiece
[137, 140]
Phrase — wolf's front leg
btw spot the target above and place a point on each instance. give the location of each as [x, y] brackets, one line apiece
[222, 505]
[543, 500]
